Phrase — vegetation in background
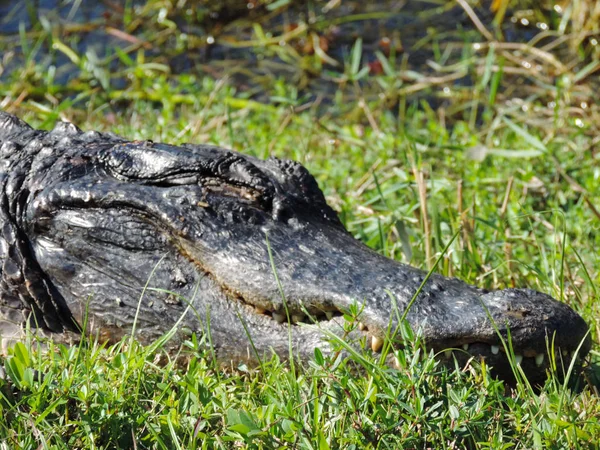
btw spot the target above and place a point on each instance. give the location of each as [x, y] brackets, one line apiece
[486, 125]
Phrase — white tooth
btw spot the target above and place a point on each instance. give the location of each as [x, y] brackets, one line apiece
[361, 326]
[279, 318]
[298, 317]
[329, 315]
[495, 349]
[518, 358]
[465, 347]
[448, 353]
[539, 359]
[376, 343]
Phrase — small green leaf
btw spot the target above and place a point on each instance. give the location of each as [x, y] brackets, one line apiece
[21, 353]
[356, 58]
[319, 357]
[454, 414]
[323, 444]
[277, 4]
[240, 421]
[15, 370]
[528, 137]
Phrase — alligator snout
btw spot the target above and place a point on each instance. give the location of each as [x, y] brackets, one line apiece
[316, 272]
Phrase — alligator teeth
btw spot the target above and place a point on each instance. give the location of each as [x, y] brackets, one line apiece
[465, 347]
[329, 315]
[495, 349]
[376, 343]
[361, 326]
[539, 359]
[518, 358]
[298, 317]
[448, 353]
[279, 317]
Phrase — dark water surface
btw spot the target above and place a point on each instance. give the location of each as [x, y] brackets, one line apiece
[223, 38]
[16, 13]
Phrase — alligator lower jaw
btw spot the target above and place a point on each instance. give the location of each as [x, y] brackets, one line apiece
[534, 364]
[323, 323]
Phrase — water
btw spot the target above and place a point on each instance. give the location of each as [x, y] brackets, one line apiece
[17, 13]
[210, 40]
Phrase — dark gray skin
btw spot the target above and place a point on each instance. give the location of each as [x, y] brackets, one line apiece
[86, 219]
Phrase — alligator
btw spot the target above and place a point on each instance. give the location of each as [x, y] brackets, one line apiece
[106, 236]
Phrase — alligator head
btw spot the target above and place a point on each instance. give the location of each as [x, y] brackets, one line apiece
[88, 219]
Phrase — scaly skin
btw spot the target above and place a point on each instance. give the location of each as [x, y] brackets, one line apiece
[86, 219]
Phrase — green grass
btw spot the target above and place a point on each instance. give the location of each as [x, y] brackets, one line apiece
[509, 162]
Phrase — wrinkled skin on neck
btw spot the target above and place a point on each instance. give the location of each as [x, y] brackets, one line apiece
[88, 219]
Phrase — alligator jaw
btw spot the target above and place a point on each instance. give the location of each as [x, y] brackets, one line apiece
[449, 313]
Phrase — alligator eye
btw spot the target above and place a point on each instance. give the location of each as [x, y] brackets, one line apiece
[218, 187]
